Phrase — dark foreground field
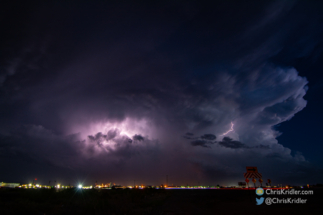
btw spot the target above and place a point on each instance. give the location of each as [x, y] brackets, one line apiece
[19, 201]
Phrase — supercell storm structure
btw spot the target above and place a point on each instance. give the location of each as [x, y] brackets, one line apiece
[110, 89]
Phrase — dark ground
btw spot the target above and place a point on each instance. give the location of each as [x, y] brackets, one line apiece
[149, 201]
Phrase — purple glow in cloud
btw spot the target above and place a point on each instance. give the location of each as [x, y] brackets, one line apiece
[120, 99]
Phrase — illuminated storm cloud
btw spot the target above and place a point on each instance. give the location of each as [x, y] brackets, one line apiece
[111, 98]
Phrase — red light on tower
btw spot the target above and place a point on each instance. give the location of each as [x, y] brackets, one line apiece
[35, 179]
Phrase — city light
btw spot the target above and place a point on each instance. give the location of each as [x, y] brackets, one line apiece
[110, 186]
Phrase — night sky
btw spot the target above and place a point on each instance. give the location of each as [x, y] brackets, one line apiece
[120, 91]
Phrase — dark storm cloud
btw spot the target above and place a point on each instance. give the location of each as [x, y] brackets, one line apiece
[204, 140]
[226, 142]
[208, 137]
[138, 137]
[116, 144]
[103, 71]
[36, 146]
[112, 134]
[40, 145]
[199, 143]
[190, 136]
[230, 143]
[262, 146]
[98, 138]
[96, 87]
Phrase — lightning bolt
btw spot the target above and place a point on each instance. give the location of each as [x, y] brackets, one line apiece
[231, 129]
